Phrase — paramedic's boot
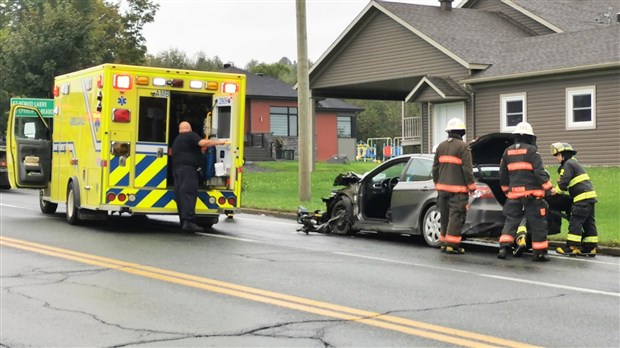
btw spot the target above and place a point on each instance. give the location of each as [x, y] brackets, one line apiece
[588, 252]
[541, 256]
[454, 250]
[190, 227]
[503, 252]
[569, 250]
[521, 243]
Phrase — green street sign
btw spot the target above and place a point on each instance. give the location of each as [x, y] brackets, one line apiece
[45, 106]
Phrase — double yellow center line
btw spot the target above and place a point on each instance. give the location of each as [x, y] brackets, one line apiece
[411, 327]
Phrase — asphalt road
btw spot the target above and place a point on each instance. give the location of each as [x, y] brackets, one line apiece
[255, 281]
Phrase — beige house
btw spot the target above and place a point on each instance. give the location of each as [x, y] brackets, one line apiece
[552, 63]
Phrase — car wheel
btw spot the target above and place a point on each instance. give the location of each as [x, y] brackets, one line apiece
[72, 209]
[431, 227]
[46, 207]
[340, 219]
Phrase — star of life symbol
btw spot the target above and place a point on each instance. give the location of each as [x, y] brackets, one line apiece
[122, 100]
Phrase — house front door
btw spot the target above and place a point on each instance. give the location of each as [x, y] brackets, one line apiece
[441, 114]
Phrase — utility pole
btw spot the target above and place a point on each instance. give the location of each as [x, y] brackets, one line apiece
[303, 98]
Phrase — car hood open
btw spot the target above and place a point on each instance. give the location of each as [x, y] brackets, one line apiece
[345, 179]
[489, 148]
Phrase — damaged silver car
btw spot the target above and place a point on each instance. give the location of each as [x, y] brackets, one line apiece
[399, 196]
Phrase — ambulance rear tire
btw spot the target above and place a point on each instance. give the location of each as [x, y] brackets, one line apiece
[72, 209]
[46, 207]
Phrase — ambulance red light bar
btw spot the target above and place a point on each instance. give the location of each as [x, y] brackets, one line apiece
[56, 91]
[230, 88]
[121, 116]
[122, 82]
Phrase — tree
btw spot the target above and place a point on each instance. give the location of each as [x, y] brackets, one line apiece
[381, 119]
[40, 39]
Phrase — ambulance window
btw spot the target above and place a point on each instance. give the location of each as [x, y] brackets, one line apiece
[223, 122]
[31, 128]
[152, 119]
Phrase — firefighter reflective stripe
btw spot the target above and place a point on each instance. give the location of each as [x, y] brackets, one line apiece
[151, 171]
[451, 188]
[520, 166]
[522, 229]
[515, 152]
[506, 238]
[559, 190]
[472, 186]
[540, 245]
[442, 238]
[547, 186]
[585, 195]
[578, 179]
[119, 171]
[452, 239]
[528, 193]
[520, 191]
[573, 238]
[450, 159]
[505, 188]
[591, 239]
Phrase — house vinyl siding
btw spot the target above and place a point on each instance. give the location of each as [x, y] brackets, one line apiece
[546, 112]
[497, 6]
[382, 49]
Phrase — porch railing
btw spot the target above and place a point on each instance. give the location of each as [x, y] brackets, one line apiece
[412, 131]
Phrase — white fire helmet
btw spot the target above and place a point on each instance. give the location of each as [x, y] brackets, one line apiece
[523, 128]
[455, 124]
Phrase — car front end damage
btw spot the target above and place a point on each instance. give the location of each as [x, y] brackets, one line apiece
[320, 221]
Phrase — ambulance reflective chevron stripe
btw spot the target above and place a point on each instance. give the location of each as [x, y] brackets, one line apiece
[150, 171]
[119, 174]
[145, 199]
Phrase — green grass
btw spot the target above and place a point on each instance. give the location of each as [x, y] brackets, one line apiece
[274, 186]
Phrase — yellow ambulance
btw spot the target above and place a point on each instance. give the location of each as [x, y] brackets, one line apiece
[109, 148]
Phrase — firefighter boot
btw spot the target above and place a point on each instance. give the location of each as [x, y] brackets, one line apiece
[503, 252]
[454, 250]
[541, 256]
[569, 250]
[588, 252]
[521, 243]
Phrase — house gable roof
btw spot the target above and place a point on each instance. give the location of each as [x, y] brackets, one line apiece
[445, 87]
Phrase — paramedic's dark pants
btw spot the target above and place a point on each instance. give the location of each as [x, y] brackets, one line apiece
[452, 209]
[186, 192]
[581, 226]
[535, 212]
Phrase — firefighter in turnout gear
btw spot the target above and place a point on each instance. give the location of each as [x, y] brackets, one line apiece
[524, 180]
[454, 179]
[582, 239]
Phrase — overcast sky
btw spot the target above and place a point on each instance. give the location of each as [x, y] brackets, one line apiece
[238, 31]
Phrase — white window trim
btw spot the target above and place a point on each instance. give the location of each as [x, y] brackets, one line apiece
[503, 99]
[570, 92]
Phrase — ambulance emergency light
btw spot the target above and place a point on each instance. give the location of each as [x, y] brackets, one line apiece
[194, 84]
[159, 81]
[229, 88]
[122, 82]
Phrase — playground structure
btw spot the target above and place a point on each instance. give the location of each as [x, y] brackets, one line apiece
[389, 148]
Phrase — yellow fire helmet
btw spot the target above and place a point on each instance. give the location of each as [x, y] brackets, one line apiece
[557, 148]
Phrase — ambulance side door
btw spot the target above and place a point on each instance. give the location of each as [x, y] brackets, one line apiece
[151, 157]
[29, 148]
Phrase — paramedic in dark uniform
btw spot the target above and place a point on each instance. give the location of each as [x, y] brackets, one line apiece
[186, 163]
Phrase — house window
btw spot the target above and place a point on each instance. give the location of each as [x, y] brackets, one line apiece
[344, 127]
[581, 108]
[283, 121]
[513, 110]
